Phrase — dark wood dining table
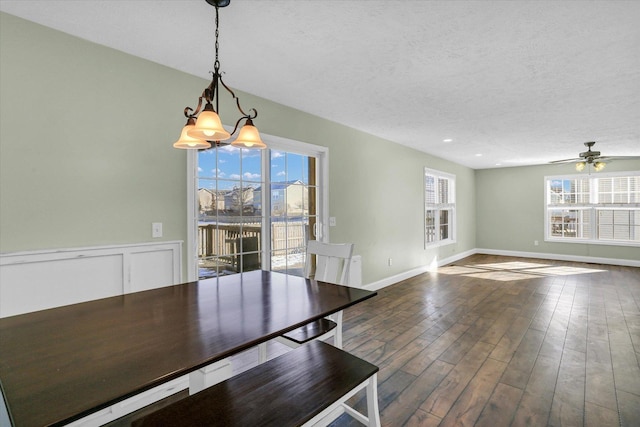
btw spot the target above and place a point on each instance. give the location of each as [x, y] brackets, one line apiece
[62, 364]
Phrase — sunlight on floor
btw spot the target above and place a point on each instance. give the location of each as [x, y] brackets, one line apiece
[514, 270]
[503, 276]
[564, 270]
[458, 269]
[512, 265]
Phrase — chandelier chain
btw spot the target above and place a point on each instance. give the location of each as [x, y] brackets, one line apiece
[216, 64]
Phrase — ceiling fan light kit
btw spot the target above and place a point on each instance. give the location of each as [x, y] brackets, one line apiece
[204, 126]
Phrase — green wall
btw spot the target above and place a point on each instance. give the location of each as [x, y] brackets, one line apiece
[85, 136]
[510, 209]
[86, 157]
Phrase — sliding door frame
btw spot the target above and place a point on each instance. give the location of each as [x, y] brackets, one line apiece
[276, 143]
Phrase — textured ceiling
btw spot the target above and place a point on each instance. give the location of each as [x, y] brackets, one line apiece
[511, 83]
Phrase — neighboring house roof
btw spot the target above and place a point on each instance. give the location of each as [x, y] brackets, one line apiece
[213, 192]
[235, 190]
[282, 185]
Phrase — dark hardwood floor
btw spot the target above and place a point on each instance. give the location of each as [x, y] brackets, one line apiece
[497, 341]
[501, 341]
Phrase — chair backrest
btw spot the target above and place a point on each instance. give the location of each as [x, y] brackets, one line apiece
[332, 262]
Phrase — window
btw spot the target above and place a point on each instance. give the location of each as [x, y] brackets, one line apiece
[603, 208]
[439, 207]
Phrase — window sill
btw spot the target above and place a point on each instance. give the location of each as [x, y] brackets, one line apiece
[438, 244]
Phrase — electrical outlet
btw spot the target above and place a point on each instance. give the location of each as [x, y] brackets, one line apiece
[535, 243]
[156, 229]
[390, 262]
[332, 221]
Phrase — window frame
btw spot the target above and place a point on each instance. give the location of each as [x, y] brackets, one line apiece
[438, 208]
[591, 208]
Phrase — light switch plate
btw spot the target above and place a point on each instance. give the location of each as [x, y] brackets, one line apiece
[156, 229]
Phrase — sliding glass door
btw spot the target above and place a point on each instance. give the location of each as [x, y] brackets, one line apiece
[228, 211]
[292, 215]
[255, 209]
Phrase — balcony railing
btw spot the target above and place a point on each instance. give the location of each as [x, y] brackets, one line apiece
[219, 239]
[230, 247]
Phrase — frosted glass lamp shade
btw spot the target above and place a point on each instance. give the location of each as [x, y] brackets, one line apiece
[187, 142]
[580, 166]
[598, 166]
[249, 137]
[209, 127]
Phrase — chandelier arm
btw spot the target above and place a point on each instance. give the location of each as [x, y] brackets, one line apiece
[189, 113]
[253, 113]
[215, 90]
[209, 93]
[235, 128]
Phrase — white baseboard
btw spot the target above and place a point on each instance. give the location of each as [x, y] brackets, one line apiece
[391, 280]
[456, 257]
[388, 281]
[561, 257]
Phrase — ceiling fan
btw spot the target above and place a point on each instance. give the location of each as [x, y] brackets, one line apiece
[593, 158]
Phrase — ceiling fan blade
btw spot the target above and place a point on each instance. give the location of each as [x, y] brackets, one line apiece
[568, 160]
[607, 158]
[593, 157]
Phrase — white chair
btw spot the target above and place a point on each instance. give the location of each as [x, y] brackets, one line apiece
[325, 262]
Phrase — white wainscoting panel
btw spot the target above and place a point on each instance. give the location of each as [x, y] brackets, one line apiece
[152, 269]
[36, 285]
[31, 281]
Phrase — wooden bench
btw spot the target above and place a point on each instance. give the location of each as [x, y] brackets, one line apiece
[306, 386]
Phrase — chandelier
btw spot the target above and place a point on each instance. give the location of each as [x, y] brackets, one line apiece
[204, 126]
